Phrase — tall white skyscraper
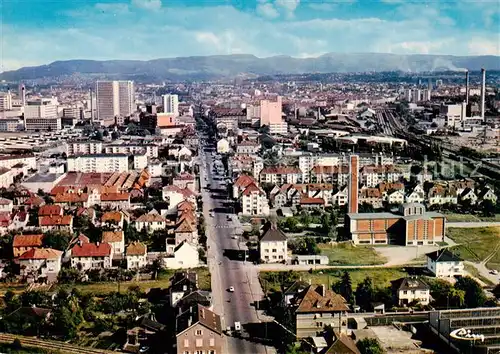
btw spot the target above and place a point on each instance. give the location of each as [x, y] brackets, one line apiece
[115, 98]
[171, 104]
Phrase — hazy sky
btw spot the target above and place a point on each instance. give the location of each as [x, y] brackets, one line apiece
[37, 32]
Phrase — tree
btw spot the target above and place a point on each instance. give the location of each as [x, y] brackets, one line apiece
[294, 349]
[98, 135]
[364, 293]
[56, 240]
[345, 287]
[488, 208]
[156, 268]
[496, 291]
[69, 275]
[474, 294]
[369, 346]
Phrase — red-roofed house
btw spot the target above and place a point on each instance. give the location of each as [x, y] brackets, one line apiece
[185, 180]
[24, 243]
[241, 183]
[50, 210]
[115, 200]
[86, 256]
[40, 262]
[254, 201]
[56, 223]
[308, 202]
[136, 255]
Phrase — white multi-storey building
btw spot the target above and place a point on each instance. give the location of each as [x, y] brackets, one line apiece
[445, 264]
[273, 246]
[8, 161]
[100, 163]
[5, 101]
[151, 150]
[83, 147]
[115, 98]
[171, 104]
[41, 115]
[254, 201]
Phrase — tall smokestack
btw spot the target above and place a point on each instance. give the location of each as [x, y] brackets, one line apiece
[467, 87]
[23, 95]
[483, 91]
[353, 183]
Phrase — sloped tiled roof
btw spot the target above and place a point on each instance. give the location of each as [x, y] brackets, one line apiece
[136, 249]
[91, 250]
[41, 253]
[115, 197]
[199, 314]
[312, 300]
[273, 234]
[112, 236]
[71, 198]
[308, 201]
[114, 216]
[64, 220]
[244, 181]
[150, 218]
[27, 240]
[184, 226]
[251, 188]
[49, 210]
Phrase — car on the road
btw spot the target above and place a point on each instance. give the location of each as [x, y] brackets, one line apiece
[494, 271]
[211, 214]
[234, 237]
[231, 289]
[144, 349]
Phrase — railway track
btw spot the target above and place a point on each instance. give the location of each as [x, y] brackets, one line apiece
[51, 346]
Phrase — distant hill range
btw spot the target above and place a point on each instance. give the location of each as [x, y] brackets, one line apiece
[227, 66]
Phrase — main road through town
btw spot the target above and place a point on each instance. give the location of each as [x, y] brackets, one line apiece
[227, 272]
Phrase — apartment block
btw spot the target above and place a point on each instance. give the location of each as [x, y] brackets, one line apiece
[100, 163]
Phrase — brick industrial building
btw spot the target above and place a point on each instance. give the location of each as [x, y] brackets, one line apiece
[412, 225]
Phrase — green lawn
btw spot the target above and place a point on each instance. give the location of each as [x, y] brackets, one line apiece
[103, 288]
[347, 254]
[477, 244]
[381, 277]
[452, 217]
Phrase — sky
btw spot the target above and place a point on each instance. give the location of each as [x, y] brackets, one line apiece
[37, 32]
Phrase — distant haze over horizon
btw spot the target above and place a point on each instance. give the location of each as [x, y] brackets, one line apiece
[226, 66]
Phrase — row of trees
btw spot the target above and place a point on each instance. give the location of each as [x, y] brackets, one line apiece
[70, 311]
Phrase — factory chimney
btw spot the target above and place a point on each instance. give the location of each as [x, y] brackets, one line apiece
[353, 184]
[483, 91]
[467, 87]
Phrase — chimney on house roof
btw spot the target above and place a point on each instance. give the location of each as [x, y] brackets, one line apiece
[322, 290]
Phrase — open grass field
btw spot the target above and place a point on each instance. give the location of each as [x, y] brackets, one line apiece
[348, 254]
[477, 244]
[453, 217]
[103, 288]
[381, 277]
